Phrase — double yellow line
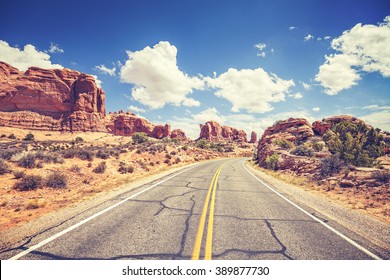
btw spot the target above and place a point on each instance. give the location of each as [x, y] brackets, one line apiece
[199, 235]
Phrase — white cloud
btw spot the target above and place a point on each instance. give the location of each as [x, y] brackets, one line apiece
[298, 95]
[105, 70]
[26, 57]
[364, 48]
[316, 109]
[291, 28]
[98, 82]
[157, 78]
[252, 90]
[305, 86]
[308, 37]
[54, 48]
[260, 47]
[326, 37]
[379, 119]
[210, 114]
[136, 109]
[319, 38]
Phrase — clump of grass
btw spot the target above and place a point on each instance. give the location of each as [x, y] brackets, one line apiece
[101, 168]
[28, 161]
[56, 180]
[381, 176]
[75, 169]
[18, 174]
[29, 182]
[35, 204]
[8, 153]
[4, 167]
[124, 168]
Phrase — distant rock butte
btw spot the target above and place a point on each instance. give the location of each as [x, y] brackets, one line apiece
[50, 99]
[214, 132]
[253, 137]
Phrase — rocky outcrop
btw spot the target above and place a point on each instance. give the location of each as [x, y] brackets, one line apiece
[214, 132]
[126, 124]
[179, 135]
[321, 127]
[253, 137]
[50, 99]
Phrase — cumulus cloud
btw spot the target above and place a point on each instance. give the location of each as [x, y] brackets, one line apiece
[297, 95]
[380, 118]
[260, 47]
[308, 37]
[305, 86]
[26, 57]
[98, 82]
[136, 109]
[291, 28]
[364, 48]
[253, 90]
[54, 48]
[326, 37]
[105, 70]
[316, 109]
[157, 79]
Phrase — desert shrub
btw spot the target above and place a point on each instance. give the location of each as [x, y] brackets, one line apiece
[139, 137]
[173, 153]
[123, 169]
[3, 136]
[85, 155]
[70, 153]
[203, 144]
[79, 139]
[19, 174]
[29, 182]
[229, 149]
[12, 136]
[167, 161]
[271, 162]
[330, 165]
[178, 160]
[185, 148]
[4, 167]
[102, 154]
[302, 150]
[168, 156]
[28, 161]
[318, 146]
[381, 176]
[56, 180]
[75, 169]
[29, 137]
[167, 139]
[8, 153]
[283, 143]
[100, 168]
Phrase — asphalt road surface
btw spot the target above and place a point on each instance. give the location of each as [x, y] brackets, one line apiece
[213, 210]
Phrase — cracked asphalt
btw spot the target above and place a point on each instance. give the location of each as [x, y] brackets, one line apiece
[250, 222]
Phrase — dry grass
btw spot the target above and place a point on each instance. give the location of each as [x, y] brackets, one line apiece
[374, 201]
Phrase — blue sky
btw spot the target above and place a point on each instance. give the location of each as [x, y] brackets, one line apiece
[241, 63]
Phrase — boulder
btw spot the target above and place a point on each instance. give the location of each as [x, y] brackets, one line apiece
[179, 134]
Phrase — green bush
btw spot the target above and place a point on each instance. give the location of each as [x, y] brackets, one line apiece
[283, 143]
[203, 144]
[8, 153]
[330, 165]
[139, 137]
[56, 180]
[19, 174]
[318, 146]
[85, 155]
[12, 136]
[29, 182]
[102, 154]
[302, 150]
[101, 168]
[29, 137]
[271, 162]
[123, 169]
[4, 167]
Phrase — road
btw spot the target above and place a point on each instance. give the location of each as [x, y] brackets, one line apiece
[213, 210]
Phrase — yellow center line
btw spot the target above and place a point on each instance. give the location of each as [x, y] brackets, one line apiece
[199, 235]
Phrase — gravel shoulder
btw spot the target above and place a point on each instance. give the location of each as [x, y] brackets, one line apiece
[370, 231]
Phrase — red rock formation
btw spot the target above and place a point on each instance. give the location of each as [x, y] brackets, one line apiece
[179, 134]
[291, 129]
[320, 127]
[56, 99]
[253, 137]
[126, 124]
[214, 132]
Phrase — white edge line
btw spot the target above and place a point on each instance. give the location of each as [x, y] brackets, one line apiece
[353, 243]
[55, 236]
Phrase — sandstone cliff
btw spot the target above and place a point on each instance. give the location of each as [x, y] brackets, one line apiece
[48, 99]
[214, 132]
